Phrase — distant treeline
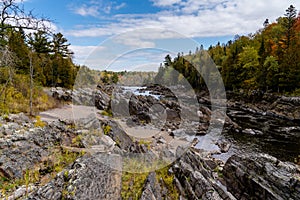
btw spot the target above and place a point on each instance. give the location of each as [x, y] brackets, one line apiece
[268, 60]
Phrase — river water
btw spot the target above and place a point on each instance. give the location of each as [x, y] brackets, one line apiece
[260, 134]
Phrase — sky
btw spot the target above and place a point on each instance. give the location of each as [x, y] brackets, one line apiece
[138, 34]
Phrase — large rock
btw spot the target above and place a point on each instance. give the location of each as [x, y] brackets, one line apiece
[196, 179]
[102, 100]
[152, 189]
[90, 177]
[261, 177]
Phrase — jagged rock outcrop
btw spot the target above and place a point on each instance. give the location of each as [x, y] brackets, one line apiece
[97, 97]
[266, 104]
[23, 145]
[196, 177]
[89, 177]
[261, 177]
[152, 189]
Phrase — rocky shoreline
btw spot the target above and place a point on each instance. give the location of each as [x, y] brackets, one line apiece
[63, 159]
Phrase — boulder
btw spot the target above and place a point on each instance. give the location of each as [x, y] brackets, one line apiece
[261, 177]
[90, 177]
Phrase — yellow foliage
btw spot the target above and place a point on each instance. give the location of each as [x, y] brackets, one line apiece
[39, 122]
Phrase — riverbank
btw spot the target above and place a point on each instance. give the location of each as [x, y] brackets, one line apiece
[93, 154]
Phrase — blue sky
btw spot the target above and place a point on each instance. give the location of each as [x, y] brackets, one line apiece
[104, 33]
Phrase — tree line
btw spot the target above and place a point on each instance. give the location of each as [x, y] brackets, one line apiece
[31, 56]
[268, 60]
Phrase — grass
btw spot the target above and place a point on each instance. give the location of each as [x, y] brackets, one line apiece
[106, 129]
[16, 100]
[39, 122]
[218, 171]
[167, 180]
[297, 160]
[107, 113]
[133, 183]
[76, 141]
[146, 143]
[59, 160]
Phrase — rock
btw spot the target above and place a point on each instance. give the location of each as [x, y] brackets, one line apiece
[21, 192]
[120, 137]
[102, 100]
[261, 177]
[179, 133]
[172, 115]
[249, 131]
[223, 145]
[61, 94]
[152, 189]
[194, 177]
[161, 140]
[23, 148]
[88, 178]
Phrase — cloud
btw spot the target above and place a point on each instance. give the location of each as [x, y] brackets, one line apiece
[96, 8]
[83, 52]
[131, 49]
[195, 18]
[85, 10]
[122, 5]
[175, 20]
[165, 3]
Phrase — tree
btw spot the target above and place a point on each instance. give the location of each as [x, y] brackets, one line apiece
[14, 16]
[249, 62]
[114, 78]
[60, 46]
[39, 42]
[288, 24]
[271, 77]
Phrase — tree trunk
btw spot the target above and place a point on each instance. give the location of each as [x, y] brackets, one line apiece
[31, 84]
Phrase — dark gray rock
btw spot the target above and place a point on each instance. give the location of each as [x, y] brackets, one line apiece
[224, 145]
[102, 100]
[261, 177]
[195, 177]
[152, 189]
[179, 133]
[88, 178]
[120, 137]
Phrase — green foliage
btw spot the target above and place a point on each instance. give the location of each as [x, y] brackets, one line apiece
[267, 60]
[133, 183]
[15, 98]
[77, 141]
[107, 113]
[145, 142]
[297, 160]
[39, 122]
[106, 129]
[167, 180]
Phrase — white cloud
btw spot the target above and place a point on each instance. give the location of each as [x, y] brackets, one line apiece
[185, 18]
[85, 10]
[83, 52]
[96, 8]
[164, 3]
[196, 18]
[122, 5]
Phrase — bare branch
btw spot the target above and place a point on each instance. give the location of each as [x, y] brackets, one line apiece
[13, 15]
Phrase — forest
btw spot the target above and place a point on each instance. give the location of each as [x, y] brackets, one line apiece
[268, 61]
[32, 56]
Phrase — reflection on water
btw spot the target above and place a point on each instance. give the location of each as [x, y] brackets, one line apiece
[277, 137]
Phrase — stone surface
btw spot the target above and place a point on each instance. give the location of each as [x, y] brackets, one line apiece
[261, 177]
[87, 178]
